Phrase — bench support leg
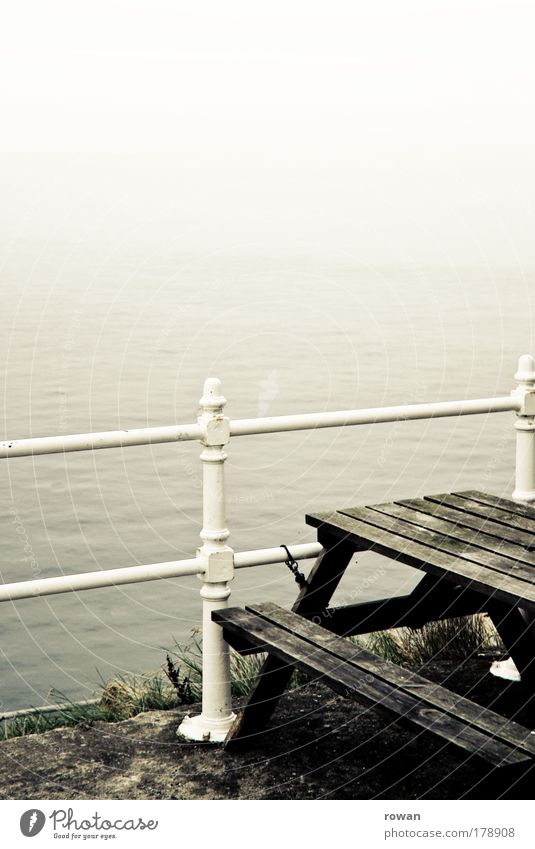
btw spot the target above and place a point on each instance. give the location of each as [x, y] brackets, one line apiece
[275, 674]
[431, 600]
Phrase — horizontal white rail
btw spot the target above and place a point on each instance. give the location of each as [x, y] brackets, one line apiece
[103, 578]
[374, 415]
[150, 572]
[94, 441]
[263, 556]
[248, 427]
[51, 711]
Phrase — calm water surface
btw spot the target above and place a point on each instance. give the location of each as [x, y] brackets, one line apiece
[99, 339]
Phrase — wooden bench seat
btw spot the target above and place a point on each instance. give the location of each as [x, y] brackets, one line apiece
[298, 643]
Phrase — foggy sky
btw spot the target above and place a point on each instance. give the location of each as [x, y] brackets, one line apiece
[386, 130]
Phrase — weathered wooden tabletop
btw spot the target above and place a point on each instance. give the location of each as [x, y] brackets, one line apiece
[472, 538]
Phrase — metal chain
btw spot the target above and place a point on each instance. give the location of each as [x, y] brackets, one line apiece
[292, 566]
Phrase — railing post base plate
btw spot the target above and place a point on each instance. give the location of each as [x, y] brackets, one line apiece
[203, 730]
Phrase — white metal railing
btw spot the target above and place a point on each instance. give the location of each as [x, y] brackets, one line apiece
[150, 572]
[249, 427]
[215, 562]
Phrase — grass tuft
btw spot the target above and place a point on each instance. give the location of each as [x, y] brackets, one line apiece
[243, 668]
[121, 698]
[444, 640]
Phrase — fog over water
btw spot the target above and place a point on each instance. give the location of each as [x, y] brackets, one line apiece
[326, 206]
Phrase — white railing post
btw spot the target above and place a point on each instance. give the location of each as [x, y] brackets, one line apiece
[524, 474]
[525, 430]
[213, 723]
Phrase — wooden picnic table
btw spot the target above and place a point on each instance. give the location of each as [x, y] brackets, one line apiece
[478, 555]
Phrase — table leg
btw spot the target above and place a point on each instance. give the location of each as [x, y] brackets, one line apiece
[517, 636]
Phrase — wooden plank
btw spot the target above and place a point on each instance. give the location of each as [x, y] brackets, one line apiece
[518, 508]
[353, 681]
[274, 675]
[466, 505]
[435, 695]
[521, 560]
[463, 502]
[436, 540]
[412, 553]
[450, 507]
